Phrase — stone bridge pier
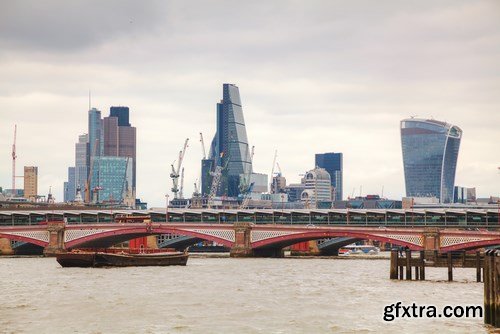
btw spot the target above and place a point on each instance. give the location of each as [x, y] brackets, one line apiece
[242, 240]
[56, 239]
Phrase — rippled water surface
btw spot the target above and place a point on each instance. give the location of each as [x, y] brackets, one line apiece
[223, 295]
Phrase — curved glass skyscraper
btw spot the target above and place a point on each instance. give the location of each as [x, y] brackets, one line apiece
[430, 152]
[230, 144]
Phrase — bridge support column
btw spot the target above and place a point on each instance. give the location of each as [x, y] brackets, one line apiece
[242, 244]
[431, 240]
[5, 248]
[56, 239]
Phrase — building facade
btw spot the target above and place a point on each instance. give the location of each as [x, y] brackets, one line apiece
[70, 186]
[82, 156]
[111, 179]
[430, 153]
[31, 182]
[95, 133]
[318, 187]
[120, 137]
[229, 148]
[334, 165]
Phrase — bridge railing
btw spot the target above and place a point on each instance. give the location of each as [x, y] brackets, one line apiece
[354, 218]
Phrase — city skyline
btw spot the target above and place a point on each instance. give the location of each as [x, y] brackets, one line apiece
[301, 97]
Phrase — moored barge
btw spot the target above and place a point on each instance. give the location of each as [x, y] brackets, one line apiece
[102, 259]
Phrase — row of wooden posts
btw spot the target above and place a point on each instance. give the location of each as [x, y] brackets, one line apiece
[401, 265]
[489, 261]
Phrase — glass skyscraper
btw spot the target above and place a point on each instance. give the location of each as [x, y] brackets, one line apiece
[111, 178]
[229, 147]
[95, 132]
[333, 163]
[430, 152]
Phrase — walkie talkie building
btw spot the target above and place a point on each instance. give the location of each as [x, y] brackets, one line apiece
[430, 152]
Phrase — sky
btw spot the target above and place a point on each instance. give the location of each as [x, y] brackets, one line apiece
[314, 77]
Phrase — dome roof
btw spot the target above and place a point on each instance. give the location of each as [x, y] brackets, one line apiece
[318, 174]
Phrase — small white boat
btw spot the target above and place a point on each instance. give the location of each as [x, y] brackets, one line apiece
[359, 250]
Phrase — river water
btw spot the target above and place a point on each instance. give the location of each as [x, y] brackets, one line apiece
[224, 295]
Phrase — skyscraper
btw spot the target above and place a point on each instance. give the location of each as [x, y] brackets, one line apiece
[229, 147]
[30, 182]
[82, 156]
[70, 186]
[119, 137]
[121, 113]
[430, 152]
[95, 133]
[111, 178]
[333, 163]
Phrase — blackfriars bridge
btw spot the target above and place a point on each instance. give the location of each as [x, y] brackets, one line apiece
[256, 232]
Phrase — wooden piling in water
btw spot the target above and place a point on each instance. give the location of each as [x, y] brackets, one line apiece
[486, 279]
[492, 288]
[478, 267]
[496, 290]
[450, 267]
[422, 265]
[408, 264]
[394, 264]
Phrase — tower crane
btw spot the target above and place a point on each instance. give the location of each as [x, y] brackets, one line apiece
[279, 168]
[203, 146]
[89, 177]
[247, 185]
[14, 156]
[216, 176]
[175, 171]
[181, 191]
[272, 170]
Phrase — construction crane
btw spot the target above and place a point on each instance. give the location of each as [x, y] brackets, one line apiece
[175, 171]
[272, 170]
[247, 186]
[203, 146]
[279, 168]
[246, 176]
[14, 156]
[89, 177]
[181, 193]
[216, 176]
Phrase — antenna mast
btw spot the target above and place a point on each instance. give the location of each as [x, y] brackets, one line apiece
[14, 156]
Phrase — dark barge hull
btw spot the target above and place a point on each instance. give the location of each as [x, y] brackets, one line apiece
[100, 259]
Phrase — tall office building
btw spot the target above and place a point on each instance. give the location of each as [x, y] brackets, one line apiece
[333, 163]
[31, 182]
[229, 147]
[82, 156]
[430, 152]
[70, 186]
[122, 113]
[95, 133]
[111, 179]
[119, 137]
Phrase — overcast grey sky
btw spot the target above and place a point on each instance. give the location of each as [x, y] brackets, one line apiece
[314, 76]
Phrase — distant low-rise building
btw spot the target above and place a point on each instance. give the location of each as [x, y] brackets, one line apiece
[464, 195]
[368, 202]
